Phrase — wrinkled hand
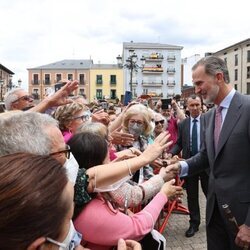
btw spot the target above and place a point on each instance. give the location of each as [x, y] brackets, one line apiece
[166, 176]
[172, 191]
[121, 138]
[61, 96]
[243, 237]
[174, 168]
[101, 116]
[128, 245]
[155, 150]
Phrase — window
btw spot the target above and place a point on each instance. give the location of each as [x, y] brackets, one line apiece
[248, 72]
[35, 79]
[47, 79]
[70, 77]
[236, 60]
[248, 88]
[236, 86]
[35, 94]
[81, 79]
[236, 74]
[248, 56]
[58, 77]
[225, 60]
[99, 79]
[99, 93]
[81, 91]
[113, 79]
[113, 94]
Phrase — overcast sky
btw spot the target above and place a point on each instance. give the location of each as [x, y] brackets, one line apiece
[38, 32]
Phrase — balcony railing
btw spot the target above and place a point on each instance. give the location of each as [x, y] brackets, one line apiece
[154, 57]
[171, 58]
[152, 84]
[170, 83]
[113, 82]
[46, 82]
[154, 69]
[99, 81]
[171, 71]
[35, 82]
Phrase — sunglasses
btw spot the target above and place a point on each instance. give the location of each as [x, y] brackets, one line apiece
[161, 122]
[66, 152]
[84, 117]
[25, 98]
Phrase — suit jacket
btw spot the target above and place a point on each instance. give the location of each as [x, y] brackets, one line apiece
[183, 140]
[229, 180]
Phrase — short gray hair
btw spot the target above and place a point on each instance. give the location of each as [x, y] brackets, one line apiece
[213, 65]
[26, 132]
[10, 97]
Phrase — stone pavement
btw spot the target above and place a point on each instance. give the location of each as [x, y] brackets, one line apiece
[179, 223]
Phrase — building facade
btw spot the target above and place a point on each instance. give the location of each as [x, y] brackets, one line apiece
[161, 74]
[237, 57]
[106, 82]
[5, 80]
[42, 79]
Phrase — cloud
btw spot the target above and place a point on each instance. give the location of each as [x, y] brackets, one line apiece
[40, 32]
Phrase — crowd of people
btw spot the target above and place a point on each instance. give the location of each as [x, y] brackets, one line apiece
[72, 173]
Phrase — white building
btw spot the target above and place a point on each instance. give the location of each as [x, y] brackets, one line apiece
[188, 63]
[161, 74]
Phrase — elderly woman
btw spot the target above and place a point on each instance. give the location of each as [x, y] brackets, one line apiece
[137, 121]
[25, 201]
[70, 117]
[160, 124]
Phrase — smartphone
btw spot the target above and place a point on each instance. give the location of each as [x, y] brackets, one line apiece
[166, 103]
[104, 105]
[127, 98]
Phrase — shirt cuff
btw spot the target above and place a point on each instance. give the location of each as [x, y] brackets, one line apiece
[184, 168]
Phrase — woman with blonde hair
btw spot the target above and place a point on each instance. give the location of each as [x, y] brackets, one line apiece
[70, 117]
[137, 121]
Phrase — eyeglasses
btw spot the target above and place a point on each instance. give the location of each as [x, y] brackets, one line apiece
[84, 117]
[139, 123]
[66, 151]
[25, 98]
[161, 122]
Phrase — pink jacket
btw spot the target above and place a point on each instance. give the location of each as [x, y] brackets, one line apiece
[102, 226]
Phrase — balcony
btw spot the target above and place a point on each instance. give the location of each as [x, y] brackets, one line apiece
[152, 84]
[152, 70]
[35, 82]
[36, 96]
[154, 57]
[112, 82]
[171, 71]
[170, 83]
[134, 84]
[171, 58]
[99, 81]
[82, 82]
[47, 82]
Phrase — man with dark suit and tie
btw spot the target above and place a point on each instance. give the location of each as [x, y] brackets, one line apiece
[226, 149]
[189, 141]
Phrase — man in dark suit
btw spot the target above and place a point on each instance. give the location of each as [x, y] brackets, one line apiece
[226, 149]
[188, 141]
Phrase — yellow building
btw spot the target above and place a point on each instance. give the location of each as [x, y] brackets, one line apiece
[106, 82]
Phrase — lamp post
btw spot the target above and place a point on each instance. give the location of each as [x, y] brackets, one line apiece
[1, 93]
[131, 64]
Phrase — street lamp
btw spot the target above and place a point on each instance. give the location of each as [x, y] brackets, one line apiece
[131, 64]
[1, 93]
[19, 82]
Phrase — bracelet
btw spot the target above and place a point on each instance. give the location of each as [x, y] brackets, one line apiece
[129, 169]
[131, 150]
